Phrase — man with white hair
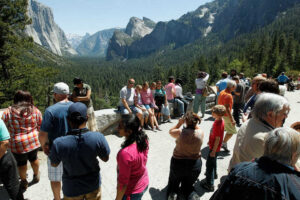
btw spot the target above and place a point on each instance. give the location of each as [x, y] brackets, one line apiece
[272, 176]
[226, 99]
[54, 125]
[270, 111]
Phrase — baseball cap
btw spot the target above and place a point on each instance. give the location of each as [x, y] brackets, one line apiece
[77, 110]
[61, 88]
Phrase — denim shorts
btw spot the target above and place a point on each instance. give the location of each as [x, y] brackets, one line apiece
[134, 110]
[148, 106]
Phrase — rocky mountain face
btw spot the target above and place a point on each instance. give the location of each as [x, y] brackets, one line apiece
[96, 44]
[221, 19]
[75, 39]
[45, 31]
[135, 30]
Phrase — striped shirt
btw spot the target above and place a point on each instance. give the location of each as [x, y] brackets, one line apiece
[23, 130]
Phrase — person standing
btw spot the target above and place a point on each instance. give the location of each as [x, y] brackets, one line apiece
[270, 112]
[78, 151]
[282, 79]
[53, 126]
[23, 121]
[170, 92]
[226, 100]
[215, 143]
[238, 100]
[271, 176]
[82, 93]
[8, 166]
[133, 177]
[186, 161]
[200, 82]
[222, 84]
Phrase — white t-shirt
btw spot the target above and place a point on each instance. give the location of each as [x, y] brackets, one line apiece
[128, 94]
[178, 91]
[200, 82]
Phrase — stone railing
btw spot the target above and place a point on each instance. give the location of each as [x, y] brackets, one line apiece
[107, 119]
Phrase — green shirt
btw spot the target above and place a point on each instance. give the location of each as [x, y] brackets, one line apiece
[4, 134]
[82, 93]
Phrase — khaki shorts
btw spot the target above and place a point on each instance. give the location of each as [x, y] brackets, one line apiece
[92, 124]
[229, 128]
[95, 195]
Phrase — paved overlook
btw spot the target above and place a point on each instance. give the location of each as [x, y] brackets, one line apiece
[160, 152]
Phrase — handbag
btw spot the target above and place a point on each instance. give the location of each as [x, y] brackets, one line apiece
[205, 91]
[165, 110]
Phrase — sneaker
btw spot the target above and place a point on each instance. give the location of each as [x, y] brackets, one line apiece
[172, 196]
[224, 146]
[207, 186]
[153, 129]
[157, 128]
[23, 185]
[146, 127]
[193, 196]
[36, 178]
[169, 121]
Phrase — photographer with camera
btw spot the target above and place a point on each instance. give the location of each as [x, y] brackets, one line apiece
[186, 160]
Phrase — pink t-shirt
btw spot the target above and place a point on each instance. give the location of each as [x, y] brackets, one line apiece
[147, 97]
[168, 88]
[132, 169]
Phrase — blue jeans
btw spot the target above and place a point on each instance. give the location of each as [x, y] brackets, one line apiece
[199, 100]
[137, 196]
[211, 168]
[180, 105]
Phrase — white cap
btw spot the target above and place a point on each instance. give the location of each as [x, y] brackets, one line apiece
[61, 88]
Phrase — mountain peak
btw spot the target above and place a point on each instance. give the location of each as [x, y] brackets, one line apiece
[138, 28]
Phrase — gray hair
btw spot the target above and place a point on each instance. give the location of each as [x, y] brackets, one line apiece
[267, 102]
[231, 84]
[281, 144]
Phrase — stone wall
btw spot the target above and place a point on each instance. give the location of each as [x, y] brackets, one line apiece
[107, 119]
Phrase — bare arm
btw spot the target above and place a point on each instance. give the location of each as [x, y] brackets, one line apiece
[43, 138]
[216, 144]
[85, 98]
[120, 192]
[175, 131]
[3, 147]
[124, 102]
[229, 113]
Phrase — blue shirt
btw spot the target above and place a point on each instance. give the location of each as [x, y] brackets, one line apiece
[81, 171]
[4, 134]
[55, 120]
[282, 79]
[222, 84]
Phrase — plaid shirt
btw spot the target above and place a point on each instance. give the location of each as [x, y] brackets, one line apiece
[23, 130]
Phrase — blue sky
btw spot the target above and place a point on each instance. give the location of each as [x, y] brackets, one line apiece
[81, 16]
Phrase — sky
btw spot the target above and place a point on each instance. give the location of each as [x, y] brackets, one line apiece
[90, 16]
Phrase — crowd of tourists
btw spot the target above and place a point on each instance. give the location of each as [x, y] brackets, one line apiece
[264, 163]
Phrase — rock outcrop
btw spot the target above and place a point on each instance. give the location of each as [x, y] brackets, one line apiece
[45, 31]
[219, 20]
[96, 44]
[135, 30]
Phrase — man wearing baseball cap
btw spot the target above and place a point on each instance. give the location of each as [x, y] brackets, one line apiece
[78, 151]
[54, 125]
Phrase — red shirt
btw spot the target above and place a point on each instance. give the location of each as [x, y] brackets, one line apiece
[23, 130]
[217, 130]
